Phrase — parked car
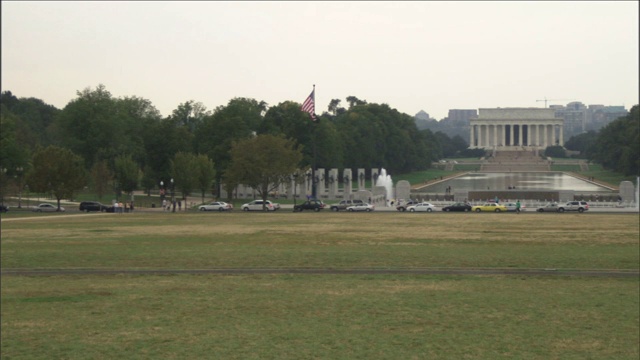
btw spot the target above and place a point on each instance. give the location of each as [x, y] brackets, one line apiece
[344, 204]
[459, 206]
[92, 206]
[423, 206]
[511, 206]
[47, 208]
[490, 207]
[361, 207]
[256, 205]
[402, 206]
[550, 207]
[4, 208]
[315, 205]
[216, 206]
[579, 206]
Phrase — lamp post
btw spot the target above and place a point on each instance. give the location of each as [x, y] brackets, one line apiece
[19, 176]
[4, 171]
[161, 191]
[295, 184]
[173, 200]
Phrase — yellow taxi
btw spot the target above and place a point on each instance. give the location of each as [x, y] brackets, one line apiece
[489, 207]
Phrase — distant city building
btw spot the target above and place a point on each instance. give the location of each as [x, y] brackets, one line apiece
[460, 117]
[579, 118]
[422, 115]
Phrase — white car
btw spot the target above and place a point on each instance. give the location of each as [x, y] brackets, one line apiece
[47, 208]
[216, 206]
[511, 206]
[423, 206]
[361, 207]
[256, 205]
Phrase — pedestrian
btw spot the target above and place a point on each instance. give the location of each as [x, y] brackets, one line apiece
[164, 204]
[517, 206]
[131, 206]
[121, 207]
[115, 207]
[179, 205]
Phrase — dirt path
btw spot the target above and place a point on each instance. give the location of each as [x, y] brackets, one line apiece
[306, 271]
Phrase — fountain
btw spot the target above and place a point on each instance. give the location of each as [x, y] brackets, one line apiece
[385, 181]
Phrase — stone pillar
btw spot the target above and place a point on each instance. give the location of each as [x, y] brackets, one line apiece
[486, 136]
[520, 143]
[561, 135]
[495, 135]
[320, 187]
[471, 136]
[374, 177]
[361, 179]
[511, 134]
[403, 190]
[348, 183]
[332, 180]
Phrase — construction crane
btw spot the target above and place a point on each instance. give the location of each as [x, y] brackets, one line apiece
[545, 100]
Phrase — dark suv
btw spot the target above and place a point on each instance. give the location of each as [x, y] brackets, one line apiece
[315, 205]
[93, 206]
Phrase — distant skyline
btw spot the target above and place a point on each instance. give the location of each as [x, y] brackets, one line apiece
[431, 56]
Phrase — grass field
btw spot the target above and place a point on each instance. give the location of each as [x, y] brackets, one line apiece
[329, 316]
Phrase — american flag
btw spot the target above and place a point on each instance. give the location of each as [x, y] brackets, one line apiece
[309, 105]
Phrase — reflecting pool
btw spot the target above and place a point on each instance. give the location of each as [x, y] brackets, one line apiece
[519, 180]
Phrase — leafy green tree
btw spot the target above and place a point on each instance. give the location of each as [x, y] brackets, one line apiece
[204, 173]
[238, 120]
[57, 171]
[263, 162]
[12, 154]
[190, 114]
[183, 169]
[583, 142]
[101, 177]
[126, 174]
[555, 152]
[618, 144]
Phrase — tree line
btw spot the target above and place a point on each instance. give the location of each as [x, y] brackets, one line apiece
[123, 144]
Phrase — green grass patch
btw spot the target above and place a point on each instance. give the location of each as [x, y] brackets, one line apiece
[296, 316]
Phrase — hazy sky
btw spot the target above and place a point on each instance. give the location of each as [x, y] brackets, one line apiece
[431, 56]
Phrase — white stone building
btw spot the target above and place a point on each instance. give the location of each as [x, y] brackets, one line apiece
[513, 128]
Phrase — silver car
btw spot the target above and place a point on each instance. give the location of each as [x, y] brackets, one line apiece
[423, 206]
[361, 207]
[47, 208]
[216, 206]
[256, 205]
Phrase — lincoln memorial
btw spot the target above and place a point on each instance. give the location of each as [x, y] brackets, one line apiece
[512, 128]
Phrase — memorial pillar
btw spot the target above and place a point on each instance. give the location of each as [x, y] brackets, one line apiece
[511, 134]
[520, 142]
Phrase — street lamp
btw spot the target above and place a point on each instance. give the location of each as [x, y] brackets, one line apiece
[161, 191]
[19, 176]
[173, 200]
[295, 184]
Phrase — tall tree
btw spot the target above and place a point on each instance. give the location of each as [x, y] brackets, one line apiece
[57, 171]
[101, 176]
[238, 120]
[618, 144]
[126, 173]
[263, 162]
[183, 168]
[204, 173]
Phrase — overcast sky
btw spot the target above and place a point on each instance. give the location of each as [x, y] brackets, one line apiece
[431, 56]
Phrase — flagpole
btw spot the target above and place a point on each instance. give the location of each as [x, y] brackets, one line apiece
[314, 182]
